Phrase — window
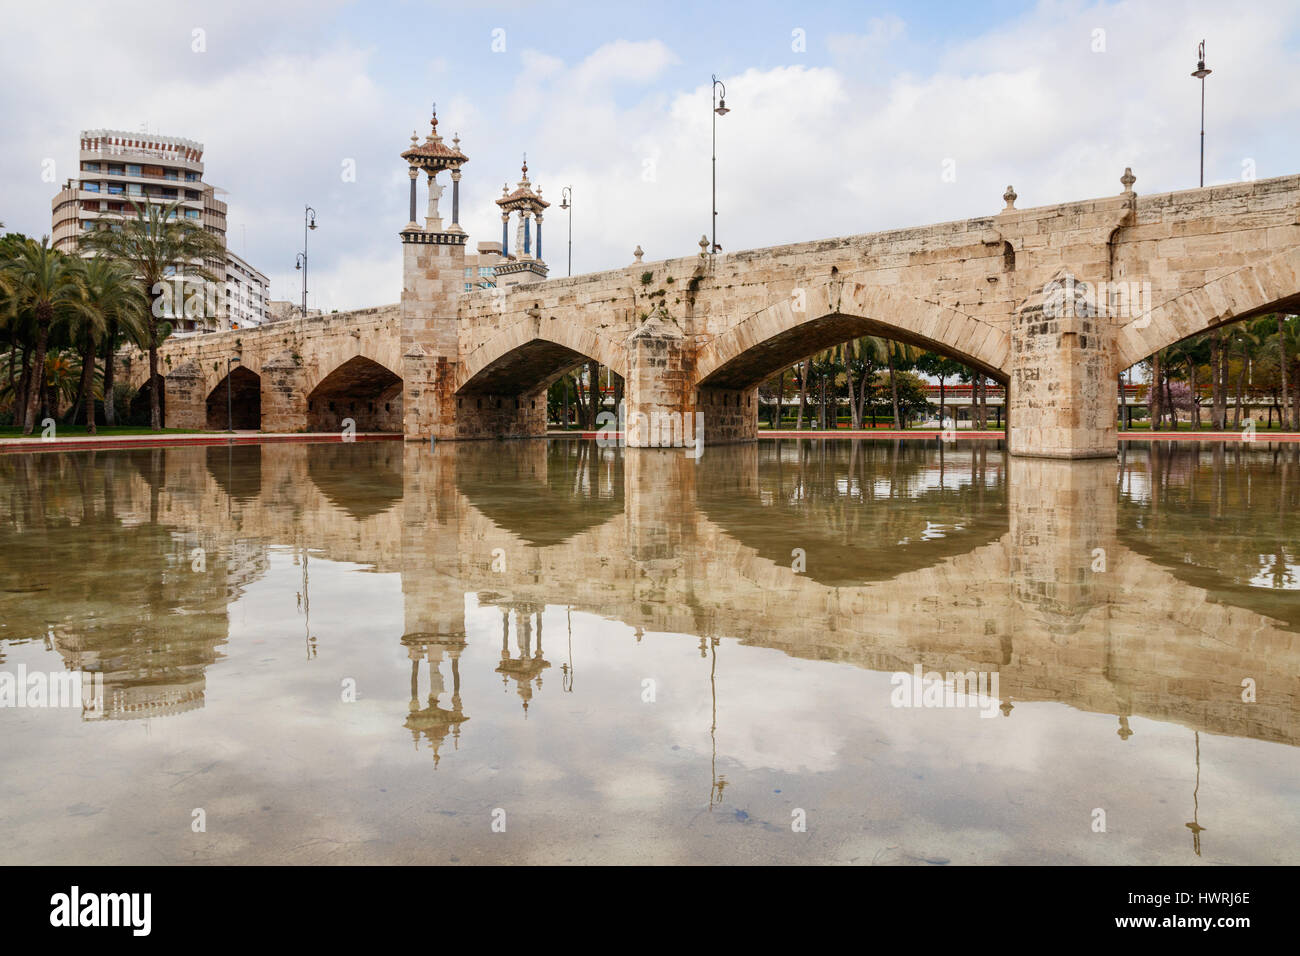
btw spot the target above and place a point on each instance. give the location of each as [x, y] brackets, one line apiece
[171, 174]
[115, 170]
[134, 189]
[90, 167]
[191, 177]
[169, 193]
[132, 169]
[190, 214]
[88, 224]
[485, 271]
[90, 187]
[115, 189]
[469, 287]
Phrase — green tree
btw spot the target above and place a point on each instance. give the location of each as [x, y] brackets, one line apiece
[43, 290]
[111, 300]
[158, 240]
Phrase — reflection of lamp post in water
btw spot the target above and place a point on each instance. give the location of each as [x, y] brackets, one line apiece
[304, 605]
[1195, 825]
[718, 783]
[566, 681]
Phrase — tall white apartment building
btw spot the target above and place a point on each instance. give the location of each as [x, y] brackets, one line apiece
[116, 168]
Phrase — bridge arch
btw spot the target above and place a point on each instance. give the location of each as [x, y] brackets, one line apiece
[236, 399]
[815, 319]
[1272, 285]
[361, 389]
[531, 354]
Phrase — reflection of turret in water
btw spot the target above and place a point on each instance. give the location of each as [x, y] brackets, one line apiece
[431, 720]
[526, 667]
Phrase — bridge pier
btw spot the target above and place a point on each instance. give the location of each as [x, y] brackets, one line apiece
[186, 397]
[284, 395]
[1062, 393]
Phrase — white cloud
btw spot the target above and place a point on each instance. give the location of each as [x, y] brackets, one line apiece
[851, 144]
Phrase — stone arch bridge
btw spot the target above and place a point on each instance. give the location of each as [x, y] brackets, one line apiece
[698, 334]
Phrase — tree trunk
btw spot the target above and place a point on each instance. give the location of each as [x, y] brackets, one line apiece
[863, 384]
[593, 373]
[155, 413]
[1223, 383]
[1281, 347]
[1153, 394]
[848, 381]
[821, 404]
[1241, 381]
[110, 413]
[1196, 398]
[22, 396]
[44, 315]
[893, 385]
[1169, 403]
[88, 385]
[804, 393]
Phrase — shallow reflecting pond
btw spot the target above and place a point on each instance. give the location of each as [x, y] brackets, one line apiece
[553, 652]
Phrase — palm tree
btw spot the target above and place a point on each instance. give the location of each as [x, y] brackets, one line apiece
[155, 242]
[44, 287]
[111, 299]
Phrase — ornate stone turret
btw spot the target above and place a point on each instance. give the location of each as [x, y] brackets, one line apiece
[526, 265]
[432, 157]
[433, 264]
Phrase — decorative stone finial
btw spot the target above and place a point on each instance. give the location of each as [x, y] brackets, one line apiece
[1010, 197]
[415, 137]
[704, 245]
[1128, 179]
[455, 141]
[638, 253]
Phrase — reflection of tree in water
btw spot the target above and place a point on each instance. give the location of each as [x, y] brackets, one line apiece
[107, 591]
[862, 510]
[1223, 517]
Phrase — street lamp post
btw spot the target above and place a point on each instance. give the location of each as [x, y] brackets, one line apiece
[230, 413]
[308, 222]
[1201, 73]
[719, 109]
[566, 202]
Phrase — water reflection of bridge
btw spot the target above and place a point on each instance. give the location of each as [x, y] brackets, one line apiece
[976, 562]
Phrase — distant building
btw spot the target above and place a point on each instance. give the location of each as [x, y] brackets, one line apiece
[480, 269]
[278, 310]
[117, 168]
[247, 294]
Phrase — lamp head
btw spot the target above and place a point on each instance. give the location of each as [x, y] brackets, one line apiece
[1201, 72]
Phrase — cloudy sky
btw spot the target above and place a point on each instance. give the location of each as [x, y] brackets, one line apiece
[846, 118]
